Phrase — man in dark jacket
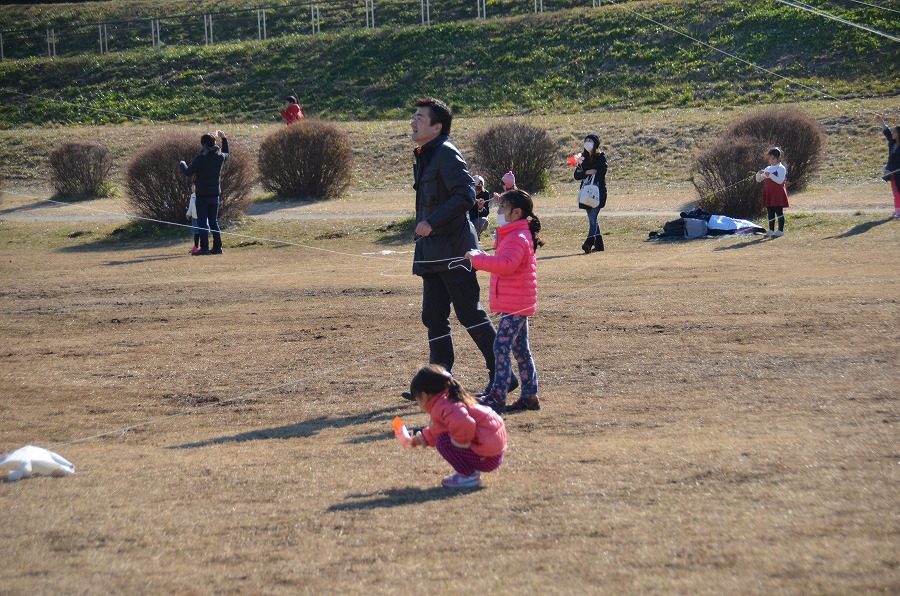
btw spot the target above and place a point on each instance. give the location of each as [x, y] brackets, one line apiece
[444, 194]
[207, 171]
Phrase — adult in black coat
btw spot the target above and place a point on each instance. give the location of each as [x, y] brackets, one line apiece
[593, 164]
[444, 195]
[892, 168]
[207, 171]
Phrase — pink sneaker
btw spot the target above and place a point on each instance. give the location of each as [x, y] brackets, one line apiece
[460, 481]
[194, 250]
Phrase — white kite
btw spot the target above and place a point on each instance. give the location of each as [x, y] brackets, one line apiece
[33, 461]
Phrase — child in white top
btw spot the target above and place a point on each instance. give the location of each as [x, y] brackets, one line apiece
[774, 197]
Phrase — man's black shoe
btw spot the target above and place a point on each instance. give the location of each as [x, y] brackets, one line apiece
[216, 251]
[513, 385]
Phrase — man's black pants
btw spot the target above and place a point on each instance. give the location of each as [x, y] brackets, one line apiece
[460, 289]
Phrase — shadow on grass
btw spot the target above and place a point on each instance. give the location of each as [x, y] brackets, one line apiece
[689, 206]
[308, 428]
[134, 235]
[574, 254]
[271, 205]
[399, 497]
[860, 229]
[144, 259]
[54, 202]
[138, 235]
[744, 244]
[399, 232]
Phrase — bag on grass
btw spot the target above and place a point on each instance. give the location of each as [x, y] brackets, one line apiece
[694, 228]
[674, 227]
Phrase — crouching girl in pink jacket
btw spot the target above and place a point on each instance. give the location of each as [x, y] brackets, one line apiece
[514, 295]
[471, 437]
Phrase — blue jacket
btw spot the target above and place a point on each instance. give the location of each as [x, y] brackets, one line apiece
[207, 169]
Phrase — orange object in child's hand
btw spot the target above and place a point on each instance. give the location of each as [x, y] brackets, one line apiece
[401, 432]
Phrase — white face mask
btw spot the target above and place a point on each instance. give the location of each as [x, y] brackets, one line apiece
[501, 220]
[588, 146]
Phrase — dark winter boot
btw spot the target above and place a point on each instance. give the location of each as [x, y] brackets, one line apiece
[586, 247]
[217, 244]
[598, 243]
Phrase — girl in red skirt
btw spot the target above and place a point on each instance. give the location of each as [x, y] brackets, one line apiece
[892, 169]
[774, 197]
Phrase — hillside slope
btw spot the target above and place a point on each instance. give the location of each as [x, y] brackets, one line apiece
[571, 60]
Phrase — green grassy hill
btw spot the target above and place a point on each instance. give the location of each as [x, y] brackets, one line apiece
[565, 61]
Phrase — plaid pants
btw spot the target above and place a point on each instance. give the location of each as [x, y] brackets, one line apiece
[463, 459]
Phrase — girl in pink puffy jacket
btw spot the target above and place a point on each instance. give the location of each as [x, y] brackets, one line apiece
[468, 435]
[514, 295]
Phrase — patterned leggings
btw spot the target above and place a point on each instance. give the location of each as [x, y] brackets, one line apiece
[464, 460]
[512, 335]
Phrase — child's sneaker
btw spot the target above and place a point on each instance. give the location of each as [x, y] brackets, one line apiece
[459, 481]
[524, 403]
[194, 250]
[778, 234]
[492, 401]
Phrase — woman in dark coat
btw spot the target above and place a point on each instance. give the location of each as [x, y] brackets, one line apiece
[593, 164]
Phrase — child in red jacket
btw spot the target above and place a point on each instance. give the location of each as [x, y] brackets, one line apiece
[292, 112]
[514, 295]
[469, 436]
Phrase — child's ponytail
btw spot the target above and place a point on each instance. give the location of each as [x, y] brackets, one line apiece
[433, 379]
[534, 224]
[519, 199]
[458, 394]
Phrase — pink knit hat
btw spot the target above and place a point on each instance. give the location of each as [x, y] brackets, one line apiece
[509, 178]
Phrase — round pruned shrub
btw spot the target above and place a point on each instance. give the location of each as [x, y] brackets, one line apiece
[158, 190]
[311, 159]
[724, 176]
[798, 134]
[526, 150]
[80, 170]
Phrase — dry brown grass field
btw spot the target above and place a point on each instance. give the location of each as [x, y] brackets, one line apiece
[719, 415]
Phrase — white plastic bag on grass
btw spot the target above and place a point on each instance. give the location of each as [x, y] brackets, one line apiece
[33, 461]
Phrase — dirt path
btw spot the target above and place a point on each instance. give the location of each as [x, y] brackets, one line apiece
[29, 204]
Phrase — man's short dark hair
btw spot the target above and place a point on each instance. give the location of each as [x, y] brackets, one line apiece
[207, 140]
[439, 112]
